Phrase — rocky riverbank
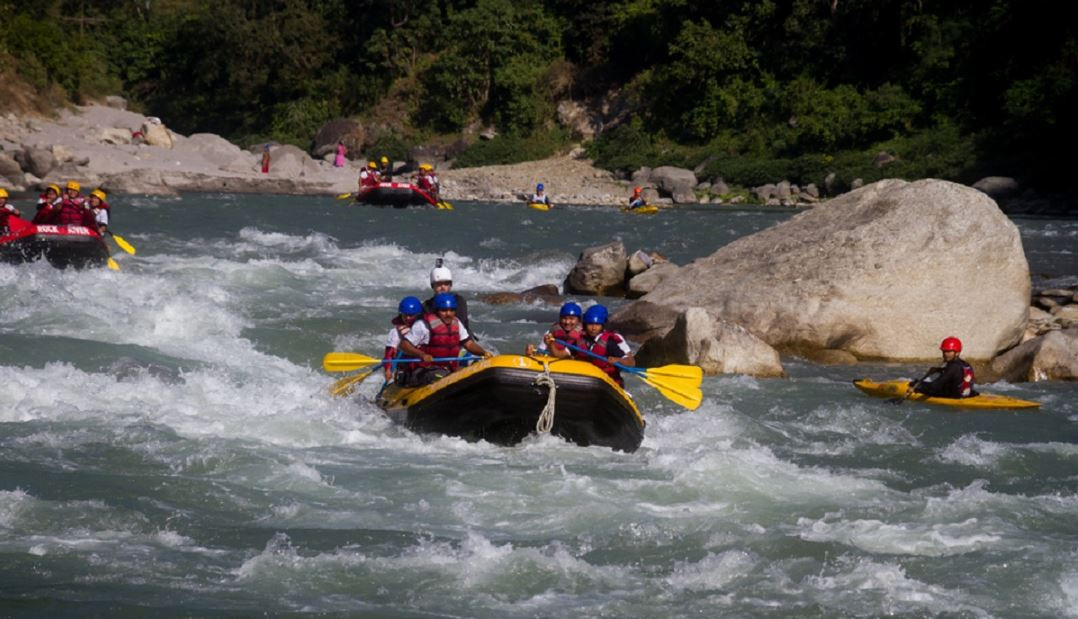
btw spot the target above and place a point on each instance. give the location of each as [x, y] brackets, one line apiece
[125, 152]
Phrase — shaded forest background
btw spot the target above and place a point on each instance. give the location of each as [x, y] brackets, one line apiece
[753, 91]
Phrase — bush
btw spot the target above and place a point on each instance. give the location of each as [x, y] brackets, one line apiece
[513, 148]
[625, 148]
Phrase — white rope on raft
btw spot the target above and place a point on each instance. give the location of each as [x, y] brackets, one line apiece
[546, 418]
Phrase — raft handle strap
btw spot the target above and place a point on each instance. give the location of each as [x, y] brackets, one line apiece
[546, 418]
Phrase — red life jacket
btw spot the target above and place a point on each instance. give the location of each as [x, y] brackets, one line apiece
[367, 179]
[575, 337]
[444, 340]
[74, 213]
[966, 390]
[600, 346]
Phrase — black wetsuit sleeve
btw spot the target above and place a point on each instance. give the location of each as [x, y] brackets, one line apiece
[617, 349]
[948, 384]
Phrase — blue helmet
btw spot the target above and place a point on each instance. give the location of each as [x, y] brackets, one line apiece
[410, 306]
[445, 300]
[570, 309]
[539, 187]
[596, 315]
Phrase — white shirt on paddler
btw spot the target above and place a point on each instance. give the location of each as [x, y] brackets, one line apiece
[420, 335]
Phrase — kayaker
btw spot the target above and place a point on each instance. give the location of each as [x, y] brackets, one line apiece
[439, 335]
[638, 198]
[604, 343]
[567, 330]
[540, 197]
[955, 376]
[441, 280]
[408, 311]
[50, 197]
[72, 210]
[368, 177]
[6, 210]
[385, 171]
[427, 180]
[101, 210]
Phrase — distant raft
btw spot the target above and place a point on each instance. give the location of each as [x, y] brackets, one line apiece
[897, 389]
[61, 246]
[397, 195]
[500, 400]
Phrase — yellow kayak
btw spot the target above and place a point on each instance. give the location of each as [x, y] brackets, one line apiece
[500, 400]
[897, 389]
[539, 206]
[647, 209]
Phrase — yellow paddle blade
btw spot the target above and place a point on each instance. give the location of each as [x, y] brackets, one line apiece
[686, 372]
[445, 206]
[344, 196]
[124, 245]
[112, 264]
[345, 386]
[346, 361]
[677, 391]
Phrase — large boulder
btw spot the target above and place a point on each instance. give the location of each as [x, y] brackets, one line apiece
[717, 346]
[291, 161]
[156, 134]
[10, 169]
[643, 283]
[37, 161]
[1052, 356]
[678, 183]
[642, 321]
[886, 271]
[997, 187]
[343, 130]
[599, 271]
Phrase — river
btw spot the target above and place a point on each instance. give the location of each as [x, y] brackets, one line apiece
[167, 444]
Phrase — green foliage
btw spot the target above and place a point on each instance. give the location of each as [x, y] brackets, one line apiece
[625, 148]
[295, 121]
[513, 148]
[390, 145]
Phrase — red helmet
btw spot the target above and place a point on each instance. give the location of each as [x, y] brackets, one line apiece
[952, 343]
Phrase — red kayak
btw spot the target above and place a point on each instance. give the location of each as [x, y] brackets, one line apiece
[62, 246]
[398, 195]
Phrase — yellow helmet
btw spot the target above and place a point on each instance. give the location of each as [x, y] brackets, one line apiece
[55, 188]
[426, 166]
[3, 192]
[385, 160]
[372, 165]
[97, 193]
[74, 185]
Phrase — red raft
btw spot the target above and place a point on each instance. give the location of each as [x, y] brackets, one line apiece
[62, 246]
[397, 195]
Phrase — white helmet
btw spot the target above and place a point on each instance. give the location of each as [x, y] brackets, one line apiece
[440, 274]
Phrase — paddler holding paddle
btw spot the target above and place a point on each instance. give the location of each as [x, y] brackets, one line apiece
[955, 378]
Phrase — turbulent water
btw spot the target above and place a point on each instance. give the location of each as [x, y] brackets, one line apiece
[167, 444]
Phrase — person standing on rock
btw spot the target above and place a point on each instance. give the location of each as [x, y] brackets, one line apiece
[609, 345]
[265, 158]
[6, 211]
[441, 281]
[338, 161]
[567, 330]
[955, 376]
[540, 197]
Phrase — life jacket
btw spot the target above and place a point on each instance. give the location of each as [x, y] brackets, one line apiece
[574, 337]
[966, 389]
[600, 346]
[102, 208]
[74, 213]
[425, 182]
[367, 179]
[444, 340]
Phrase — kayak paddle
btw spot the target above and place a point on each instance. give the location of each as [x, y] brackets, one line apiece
[678, 383]
[346, 385]
[348, 361]
[112, 264]
[122, 242]
[444, 205]
[910, 389]
[344, 196]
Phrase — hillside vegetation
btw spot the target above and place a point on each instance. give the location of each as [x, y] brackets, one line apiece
[753, 91]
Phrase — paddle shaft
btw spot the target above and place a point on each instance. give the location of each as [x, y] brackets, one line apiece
[626, 368]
